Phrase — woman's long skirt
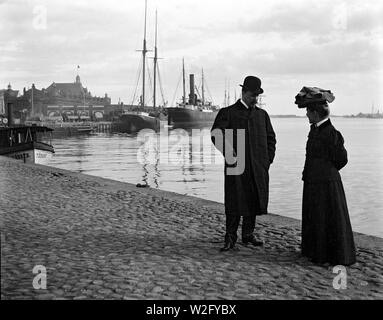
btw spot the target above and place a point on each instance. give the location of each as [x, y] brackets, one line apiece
[326, 229]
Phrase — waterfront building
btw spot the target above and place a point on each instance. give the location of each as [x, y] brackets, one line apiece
[66, 101]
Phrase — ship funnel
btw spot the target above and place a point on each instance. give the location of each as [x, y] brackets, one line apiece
[192, 99]
[10, 113]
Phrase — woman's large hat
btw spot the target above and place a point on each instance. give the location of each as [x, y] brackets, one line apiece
[313, 95]
[252, 84]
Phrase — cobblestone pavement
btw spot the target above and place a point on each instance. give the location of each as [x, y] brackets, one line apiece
[102, 239]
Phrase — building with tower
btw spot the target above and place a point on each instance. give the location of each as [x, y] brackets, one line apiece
[70, 101]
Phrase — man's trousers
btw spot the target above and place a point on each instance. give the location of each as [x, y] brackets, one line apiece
[232, 223]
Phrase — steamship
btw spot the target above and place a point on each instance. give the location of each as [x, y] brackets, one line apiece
[195, 111]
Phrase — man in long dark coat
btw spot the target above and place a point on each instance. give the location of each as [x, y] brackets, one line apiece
[243, 133]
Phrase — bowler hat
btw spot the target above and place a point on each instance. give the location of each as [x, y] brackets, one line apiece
[253, 84]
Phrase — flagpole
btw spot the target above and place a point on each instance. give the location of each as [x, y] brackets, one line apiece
[32, 111]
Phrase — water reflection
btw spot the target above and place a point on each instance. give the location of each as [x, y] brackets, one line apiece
[148, 174]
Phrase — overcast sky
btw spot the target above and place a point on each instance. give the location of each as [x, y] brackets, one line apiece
[335, 45]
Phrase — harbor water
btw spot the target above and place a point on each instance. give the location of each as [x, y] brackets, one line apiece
[183, 161]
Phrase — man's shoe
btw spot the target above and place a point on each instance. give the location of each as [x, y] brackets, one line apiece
[228, 246]
[253, 242]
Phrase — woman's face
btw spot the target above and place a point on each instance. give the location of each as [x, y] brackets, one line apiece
[312, 116]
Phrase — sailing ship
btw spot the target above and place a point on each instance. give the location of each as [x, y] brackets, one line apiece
[195, 111]
[134, 121]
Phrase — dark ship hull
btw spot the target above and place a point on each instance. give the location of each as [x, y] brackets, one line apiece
[66, 129]
[179, 117]
[194, 112]
[69, 131]
[131, 123]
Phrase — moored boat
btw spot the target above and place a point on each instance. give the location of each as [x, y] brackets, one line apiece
[32, 144]
[66, 129]
[135, 121]
[189, 115]
[194, 112]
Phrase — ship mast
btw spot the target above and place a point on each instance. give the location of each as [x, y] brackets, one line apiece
[155, 65]
[183, 82]
[203, 90]
[228, 92]
[32, 111]
[143, 60]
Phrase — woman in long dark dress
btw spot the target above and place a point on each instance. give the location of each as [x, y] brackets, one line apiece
[326, 229]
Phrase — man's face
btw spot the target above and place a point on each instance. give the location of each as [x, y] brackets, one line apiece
[250, 98]
[312, 116]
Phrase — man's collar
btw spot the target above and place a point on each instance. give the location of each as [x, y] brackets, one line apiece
[321, 122]
[244, 103]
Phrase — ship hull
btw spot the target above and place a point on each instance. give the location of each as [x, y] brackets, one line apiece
[131, 123]
[70, 131]
[32, 152]
[180, 117]
[67, 129]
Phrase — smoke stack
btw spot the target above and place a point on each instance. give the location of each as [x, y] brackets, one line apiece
[10, 110]
[192, 94]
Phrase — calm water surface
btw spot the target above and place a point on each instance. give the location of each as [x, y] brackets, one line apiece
[114, 156]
